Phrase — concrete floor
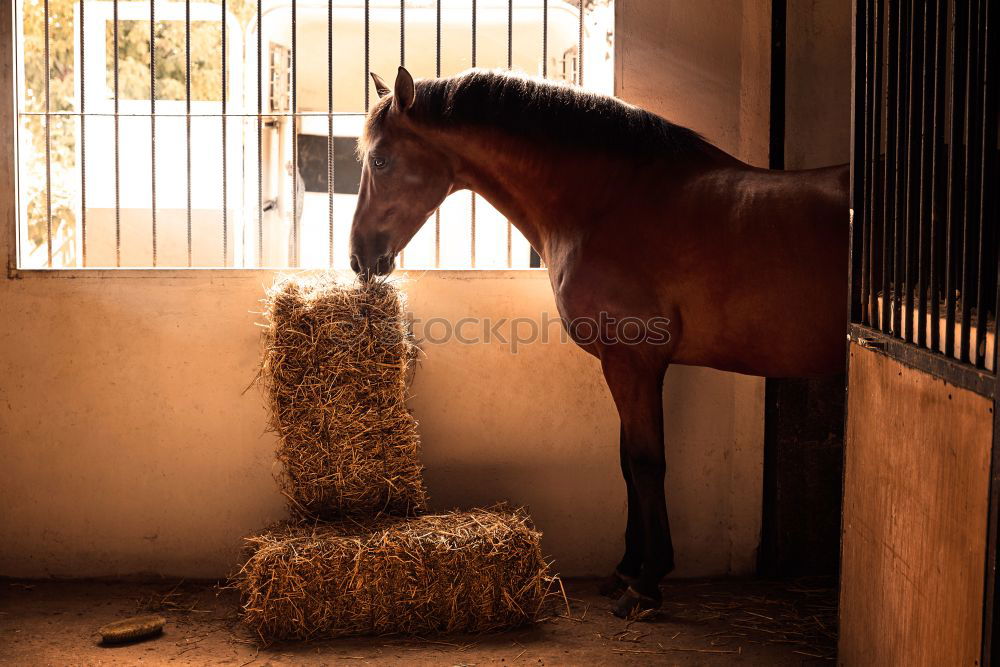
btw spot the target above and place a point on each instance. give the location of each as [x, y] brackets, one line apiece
[702, 623]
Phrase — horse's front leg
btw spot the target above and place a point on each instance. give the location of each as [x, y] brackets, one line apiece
[629, 567]
[636, 383]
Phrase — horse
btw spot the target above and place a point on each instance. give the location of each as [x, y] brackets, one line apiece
[640, 222]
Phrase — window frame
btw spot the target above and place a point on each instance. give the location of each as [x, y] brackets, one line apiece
[9, 205]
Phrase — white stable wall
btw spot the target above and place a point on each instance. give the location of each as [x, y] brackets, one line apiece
[129, 446]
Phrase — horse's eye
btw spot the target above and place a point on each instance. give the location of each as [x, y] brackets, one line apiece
[378, 162]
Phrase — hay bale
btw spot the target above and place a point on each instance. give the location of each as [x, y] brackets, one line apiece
[335, 370]
[464, 571]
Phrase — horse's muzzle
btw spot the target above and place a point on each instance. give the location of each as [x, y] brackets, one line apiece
[368, 268]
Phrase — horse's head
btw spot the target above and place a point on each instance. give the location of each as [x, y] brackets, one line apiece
[403, 179]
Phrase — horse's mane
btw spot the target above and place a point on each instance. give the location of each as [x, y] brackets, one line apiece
[540, 110]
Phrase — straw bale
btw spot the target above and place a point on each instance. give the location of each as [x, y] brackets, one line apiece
[334, 370]
[469, 571]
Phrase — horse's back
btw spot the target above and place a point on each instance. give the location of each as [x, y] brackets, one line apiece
[772, 271]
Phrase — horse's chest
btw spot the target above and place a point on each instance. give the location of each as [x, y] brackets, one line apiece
[583, 308]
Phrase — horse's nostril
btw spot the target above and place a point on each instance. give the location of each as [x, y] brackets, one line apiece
[384, 264]
[355, 264]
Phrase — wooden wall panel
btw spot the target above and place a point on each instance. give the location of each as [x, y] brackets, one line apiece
[916, 486]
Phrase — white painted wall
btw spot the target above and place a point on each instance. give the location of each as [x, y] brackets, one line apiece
[129, 447]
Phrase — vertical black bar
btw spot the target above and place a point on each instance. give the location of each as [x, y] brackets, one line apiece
[510, 34]
[901, 158]
[872, 120]
[776, 142]
[956, 166]
[293, 118]
[928, 73]
[579, 49]
[859, 158]
[510, 65]
[978, 185]
[534, 259]
[368, 18]
[939, 171]
[152, 119]
[187, 118]
[118, 207]
[48, 143]
[970, 216]
[889, 192]
[545, 39]
[329, 130]
[437, 73]
[873, 215]
[225, 174]
[260, 134]
[402, 63]
[472, 195]
[83, 133]
[989, 197]
[911, 191]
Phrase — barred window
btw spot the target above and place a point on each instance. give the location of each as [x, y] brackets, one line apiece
[188, 134]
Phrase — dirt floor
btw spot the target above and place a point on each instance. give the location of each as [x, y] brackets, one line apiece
[702, 623]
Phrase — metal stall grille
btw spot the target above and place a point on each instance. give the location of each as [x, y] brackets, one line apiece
[925, 178]
[191, 134]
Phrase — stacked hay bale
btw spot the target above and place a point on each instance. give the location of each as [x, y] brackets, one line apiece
[358, 555]
[334, 372]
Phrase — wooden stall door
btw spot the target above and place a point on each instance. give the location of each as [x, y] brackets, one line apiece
[916, 488]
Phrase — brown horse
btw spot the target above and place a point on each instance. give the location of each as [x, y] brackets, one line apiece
[640, 222]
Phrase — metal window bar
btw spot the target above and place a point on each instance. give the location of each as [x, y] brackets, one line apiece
[579, 50]
[956, 166]
[437, 73]
[990, 159]
[260, 134]
[510, 66]
[859, 130]
[892, 94]
[402, 63]
[910, 242]
[118, 200]
[535, 260]
[48, 144]
[859, 44]
[293, 259]
[472, 195]
[329, 130]
[926, 163]
[368, 50]
[187, 120]
[83, 134]
[969, 221]
[223, 83]
[152, 120]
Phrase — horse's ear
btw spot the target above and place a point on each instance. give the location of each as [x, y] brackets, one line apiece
[402, 97]
[380, 86]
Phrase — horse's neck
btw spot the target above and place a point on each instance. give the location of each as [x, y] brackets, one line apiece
[546, 194]
[553, 195]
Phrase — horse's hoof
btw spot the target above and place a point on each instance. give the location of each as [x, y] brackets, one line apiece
[632, 604]
[615, 584]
